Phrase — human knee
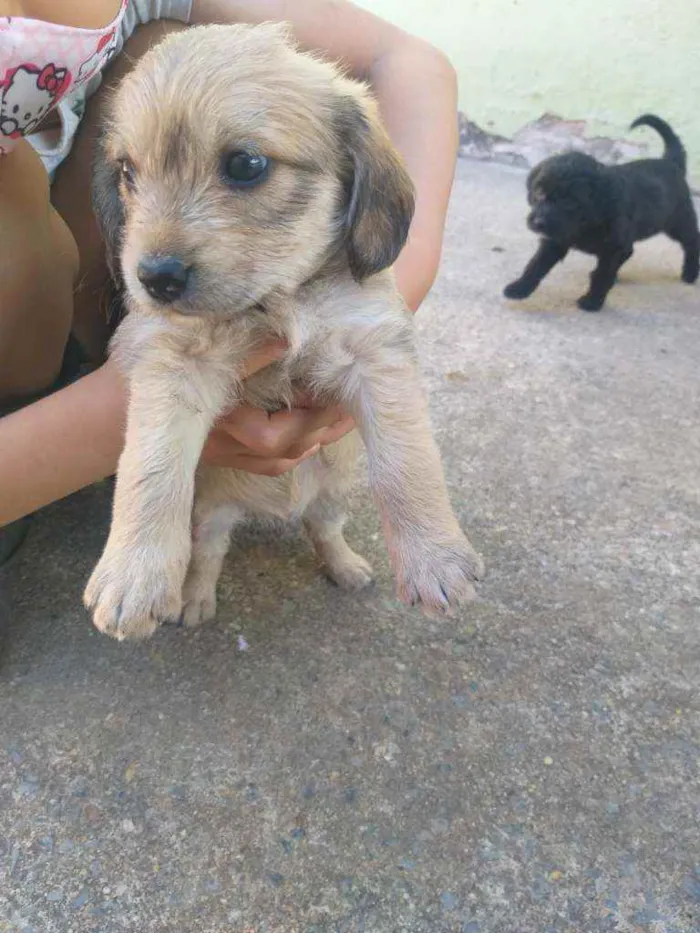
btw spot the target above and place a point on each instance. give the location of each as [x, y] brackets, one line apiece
[36, 301]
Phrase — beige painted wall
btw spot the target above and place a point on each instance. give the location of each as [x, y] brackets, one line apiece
[606, 61]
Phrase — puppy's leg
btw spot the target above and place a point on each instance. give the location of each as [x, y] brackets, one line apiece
[691, 262]
[547, 256]
[434, 563]
[603, 278]
[684, 230]
[138, 580]
[324, 521]
[210, 543]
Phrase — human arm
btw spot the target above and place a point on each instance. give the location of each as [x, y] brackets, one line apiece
[74, 437]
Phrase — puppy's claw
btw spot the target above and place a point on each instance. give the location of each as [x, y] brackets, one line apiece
[126, 603]
[440, 577]
[352, 573]
[119, 624]
[198, 611]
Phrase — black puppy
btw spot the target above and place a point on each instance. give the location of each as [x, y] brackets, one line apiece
[577, 203]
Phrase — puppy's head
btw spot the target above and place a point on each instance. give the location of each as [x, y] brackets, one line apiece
[235, 167]
[568, 195]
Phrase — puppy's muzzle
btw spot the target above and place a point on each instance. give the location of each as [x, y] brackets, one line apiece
[544, 219]
[165, 278]
[537, 223]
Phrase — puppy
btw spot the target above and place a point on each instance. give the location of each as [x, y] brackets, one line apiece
[248, 191]
[577, 203]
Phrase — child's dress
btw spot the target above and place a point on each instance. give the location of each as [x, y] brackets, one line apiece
[47, 66]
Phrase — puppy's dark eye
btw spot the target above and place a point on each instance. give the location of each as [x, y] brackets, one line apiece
[128, 173]
[245, 168]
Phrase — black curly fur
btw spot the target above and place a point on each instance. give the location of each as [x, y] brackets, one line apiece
[577, 203]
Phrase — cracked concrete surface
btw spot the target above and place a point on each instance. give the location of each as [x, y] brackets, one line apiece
[531, 766]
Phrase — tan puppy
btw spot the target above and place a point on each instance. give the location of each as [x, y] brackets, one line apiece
[248, 190]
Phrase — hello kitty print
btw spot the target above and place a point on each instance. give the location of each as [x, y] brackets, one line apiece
[42, 62]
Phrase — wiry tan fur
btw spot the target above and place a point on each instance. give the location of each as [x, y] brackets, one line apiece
[304, 256]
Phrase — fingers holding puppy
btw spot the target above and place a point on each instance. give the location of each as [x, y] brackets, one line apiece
[272, 444]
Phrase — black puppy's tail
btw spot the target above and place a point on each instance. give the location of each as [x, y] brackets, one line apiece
[674, 147]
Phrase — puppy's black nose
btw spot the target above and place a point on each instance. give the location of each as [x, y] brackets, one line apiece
[538, 224]
[163, 277]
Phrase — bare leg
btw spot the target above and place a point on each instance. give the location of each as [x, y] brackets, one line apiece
[38, 264]
[324, 521]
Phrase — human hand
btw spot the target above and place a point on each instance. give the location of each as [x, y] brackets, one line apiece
[268, 444]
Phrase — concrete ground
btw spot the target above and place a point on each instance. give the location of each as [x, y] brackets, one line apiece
[530, 766]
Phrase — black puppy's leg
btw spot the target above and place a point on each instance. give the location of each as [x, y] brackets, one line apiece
[547, 256]
[603, 278]
[691, 263]
[684, 230]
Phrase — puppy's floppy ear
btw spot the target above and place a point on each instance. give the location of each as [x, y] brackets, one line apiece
[533, 177]
[379, 197]
[107, 204]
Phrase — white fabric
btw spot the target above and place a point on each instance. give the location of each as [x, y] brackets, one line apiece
[41, 64]
[53, 148]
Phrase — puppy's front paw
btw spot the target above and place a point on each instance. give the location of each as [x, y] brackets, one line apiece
[518, 290]
[438, 576]
[198, 601]
[131, 592]
[590, 302]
